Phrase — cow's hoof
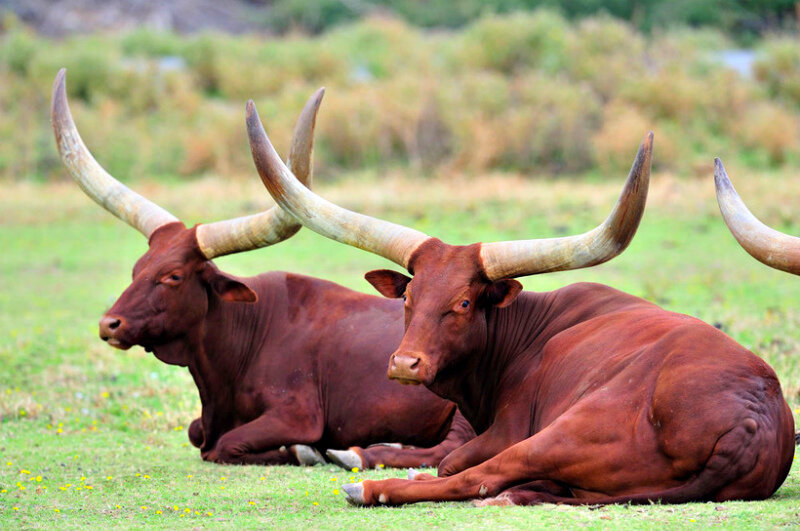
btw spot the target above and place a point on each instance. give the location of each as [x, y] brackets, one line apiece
[347, 459]
[355, 493]
[390, 445]
[412, 473]
[306, 455]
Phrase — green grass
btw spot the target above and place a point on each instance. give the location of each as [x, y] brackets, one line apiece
[76, 412]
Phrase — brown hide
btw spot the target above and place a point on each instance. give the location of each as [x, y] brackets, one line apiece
[582, 395]
[279, 359]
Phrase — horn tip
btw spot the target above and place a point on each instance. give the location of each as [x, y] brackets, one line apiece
[647, 142]
[59, 85]
[316, 100]
[721, 179]
[59, 107]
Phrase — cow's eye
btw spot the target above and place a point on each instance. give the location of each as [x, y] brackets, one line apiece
[404, 297]
[172, 279]
[465, 304]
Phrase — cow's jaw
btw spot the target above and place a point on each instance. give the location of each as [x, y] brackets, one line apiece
[117, 343]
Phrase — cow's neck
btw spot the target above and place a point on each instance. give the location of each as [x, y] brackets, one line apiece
[223, 349]
[480, 384]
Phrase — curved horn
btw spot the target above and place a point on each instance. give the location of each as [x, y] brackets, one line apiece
[529, 257]
[274, 225]
[766, 245]
[138, 212]
[394, 242]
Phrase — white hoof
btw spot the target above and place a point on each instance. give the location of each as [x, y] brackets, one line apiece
[390, 445]
[347, 459]
[306, 455]
[412, 473]
[355, 493]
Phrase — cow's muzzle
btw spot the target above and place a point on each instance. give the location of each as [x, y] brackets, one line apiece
[110, 327]
[407, 368]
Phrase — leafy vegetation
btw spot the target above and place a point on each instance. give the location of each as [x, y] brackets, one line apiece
[742, 17]
[516, 92]
[97, 437]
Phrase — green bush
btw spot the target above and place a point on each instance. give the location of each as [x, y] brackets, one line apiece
[527, 92]
[778, 68]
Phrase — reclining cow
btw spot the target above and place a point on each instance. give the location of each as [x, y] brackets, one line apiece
[278, 359]
[582, 395]
[765, 244]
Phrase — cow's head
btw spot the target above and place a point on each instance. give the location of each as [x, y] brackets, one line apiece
[175, 280]
[766, 245]
[451, 287]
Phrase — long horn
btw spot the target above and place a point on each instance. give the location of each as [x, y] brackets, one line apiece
[529, 257]
[394, 242]
[766, 245]
[274, 225]
[138, 212]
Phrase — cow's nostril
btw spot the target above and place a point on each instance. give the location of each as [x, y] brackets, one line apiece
[414, 365]
[114, 325]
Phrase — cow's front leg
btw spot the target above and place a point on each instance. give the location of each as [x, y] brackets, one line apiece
[257, 441]
[542, 457]
[399, 456]
[485, 446]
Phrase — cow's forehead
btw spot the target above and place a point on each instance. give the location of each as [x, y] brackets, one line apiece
[174, 244]
[442, 269]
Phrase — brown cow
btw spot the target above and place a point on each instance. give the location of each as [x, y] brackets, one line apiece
[278, 359]
[580, 395]
[766, 245]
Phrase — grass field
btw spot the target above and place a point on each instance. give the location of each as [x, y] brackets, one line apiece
[97, 437]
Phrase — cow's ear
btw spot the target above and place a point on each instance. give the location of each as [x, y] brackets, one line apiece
[228, 287]
[503, 292]
[388, 283]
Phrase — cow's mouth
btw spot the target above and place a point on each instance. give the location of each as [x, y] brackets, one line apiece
[406, 381]
[117, 343]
